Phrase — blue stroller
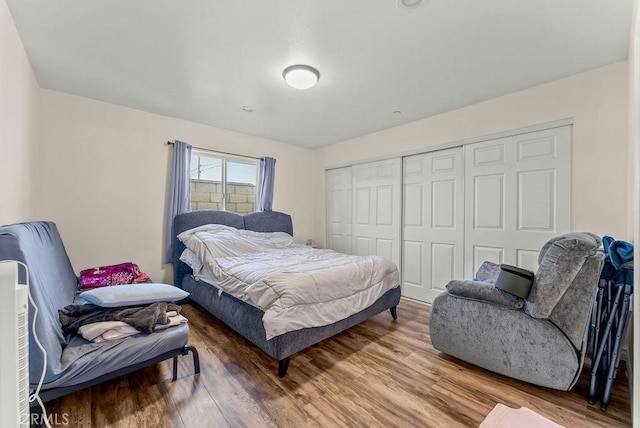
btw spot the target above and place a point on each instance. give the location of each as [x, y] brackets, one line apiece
[610, 317]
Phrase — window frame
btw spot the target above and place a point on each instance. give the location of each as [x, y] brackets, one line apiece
[224, 158]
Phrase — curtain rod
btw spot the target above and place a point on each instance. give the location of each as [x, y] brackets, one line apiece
[170, 143]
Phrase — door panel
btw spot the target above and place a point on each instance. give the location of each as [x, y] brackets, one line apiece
[339, 205]
[443, 204]
[484, 253]
[376, 208]
[521, 197]
[413, 204]
[432, 222]
[384, 206]
[363, 203]
[536, 210]
[488, 202]
[385, 247]
[412, 256]
[442, 264]
[527, 259]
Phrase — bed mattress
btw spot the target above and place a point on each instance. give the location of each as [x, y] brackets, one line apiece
[296, 286]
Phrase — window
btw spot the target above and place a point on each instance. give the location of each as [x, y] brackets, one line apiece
[221, 182]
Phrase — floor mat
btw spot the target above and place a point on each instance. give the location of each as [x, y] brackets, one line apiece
[505, 417]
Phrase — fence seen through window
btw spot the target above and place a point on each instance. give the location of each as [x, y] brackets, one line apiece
[221, 182]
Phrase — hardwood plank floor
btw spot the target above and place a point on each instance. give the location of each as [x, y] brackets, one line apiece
[381, 373]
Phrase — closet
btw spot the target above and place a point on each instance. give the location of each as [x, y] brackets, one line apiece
[440, 214]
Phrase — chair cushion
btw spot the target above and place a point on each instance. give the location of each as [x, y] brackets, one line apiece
[83, 361]
[52, 285]
[560, 260]
[483, 292]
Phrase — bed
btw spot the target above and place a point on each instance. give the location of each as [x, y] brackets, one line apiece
[244, 318]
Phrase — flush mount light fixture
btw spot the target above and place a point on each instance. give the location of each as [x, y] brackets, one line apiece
[409, 4]
[248, 109]
[301, 76]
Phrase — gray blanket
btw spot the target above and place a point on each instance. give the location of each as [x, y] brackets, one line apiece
[142, 318]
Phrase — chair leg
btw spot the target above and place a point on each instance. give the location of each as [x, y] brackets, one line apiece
[175, 368]
[196, 357]
[394, 312]
[196, 360]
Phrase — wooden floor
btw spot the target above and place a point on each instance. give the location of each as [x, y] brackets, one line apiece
[381, 373]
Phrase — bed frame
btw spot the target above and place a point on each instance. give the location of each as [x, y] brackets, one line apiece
[245, 319]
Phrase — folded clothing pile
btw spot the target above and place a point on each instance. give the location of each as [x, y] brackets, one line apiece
[104, 276]
[123, 310]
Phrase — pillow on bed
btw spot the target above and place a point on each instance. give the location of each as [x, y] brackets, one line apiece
[219, 228]
[192, 260]
[133, 295]
[216, 240]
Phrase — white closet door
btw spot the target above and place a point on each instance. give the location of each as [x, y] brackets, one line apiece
[433, 220]
[376, 209]
[339, 203]
[518, 195]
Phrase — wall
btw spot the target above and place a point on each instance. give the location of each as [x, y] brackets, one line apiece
[595, 100]
[107, 174]
[633, 346]
[18, 124]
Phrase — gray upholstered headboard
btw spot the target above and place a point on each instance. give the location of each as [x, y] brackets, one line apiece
[263, 221]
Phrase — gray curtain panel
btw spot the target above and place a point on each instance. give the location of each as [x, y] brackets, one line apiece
[180, 193]
[266, 177]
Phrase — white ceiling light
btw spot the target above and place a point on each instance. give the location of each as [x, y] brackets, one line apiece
[409, 4]
[301, 76]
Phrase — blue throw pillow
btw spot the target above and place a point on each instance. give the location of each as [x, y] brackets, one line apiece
[133, 295]
[488, 273]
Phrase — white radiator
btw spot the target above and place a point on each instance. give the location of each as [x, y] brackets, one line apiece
[14, 348]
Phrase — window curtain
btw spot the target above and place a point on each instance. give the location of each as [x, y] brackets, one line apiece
[266, 176]
[180, 192]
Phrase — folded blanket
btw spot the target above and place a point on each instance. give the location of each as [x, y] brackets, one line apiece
[106, 330]
[142, 318]
[98, 332]
[173, 321]
[618, 266]
[618, 252]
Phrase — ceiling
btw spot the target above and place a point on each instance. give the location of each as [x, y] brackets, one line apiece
[381, 65]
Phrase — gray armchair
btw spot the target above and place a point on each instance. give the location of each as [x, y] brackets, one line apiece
[540, 340]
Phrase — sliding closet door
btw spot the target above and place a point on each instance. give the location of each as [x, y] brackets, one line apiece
[339, 205]
[433, 222]
[518, 195]
[376, 208]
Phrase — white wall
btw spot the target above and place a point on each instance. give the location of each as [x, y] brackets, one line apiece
[105, 178]
[596, 101]
[634, 144]
[18, 124]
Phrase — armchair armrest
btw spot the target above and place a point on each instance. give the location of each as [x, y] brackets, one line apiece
[483, 292]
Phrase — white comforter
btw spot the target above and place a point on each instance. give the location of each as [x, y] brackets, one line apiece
[296, 286]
